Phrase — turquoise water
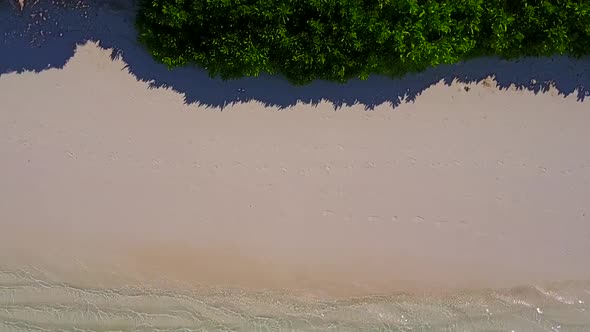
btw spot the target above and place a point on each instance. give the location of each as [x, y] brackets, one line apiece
[28, 302]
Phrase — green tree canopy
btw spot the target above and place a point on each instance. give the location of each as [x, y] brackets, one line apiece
[336, 40]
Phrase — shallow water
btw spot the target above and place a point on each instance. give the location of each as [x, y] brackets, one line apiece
[30, 301]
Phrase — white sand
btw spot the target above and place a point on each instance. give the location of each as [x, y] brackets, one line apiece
[105, 180]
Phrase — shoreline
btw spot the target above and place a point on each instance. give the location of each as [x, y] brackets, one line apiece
[557, 306]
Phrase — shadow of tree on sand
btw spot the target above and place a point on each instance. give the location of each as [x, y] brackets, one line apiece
[45, 34]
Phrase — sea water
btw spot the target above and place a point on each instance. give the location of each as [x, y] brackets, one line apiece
[31, 301]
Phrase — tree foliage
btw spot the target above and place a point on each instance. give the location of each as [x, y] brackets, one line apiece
[337, 40]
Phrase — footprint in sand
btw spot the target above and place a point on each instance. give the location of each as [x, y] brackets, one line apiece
[418, 219]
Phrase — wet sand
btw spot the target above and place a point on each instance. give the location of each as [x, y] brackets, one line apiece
[30, 303]
[106, 182]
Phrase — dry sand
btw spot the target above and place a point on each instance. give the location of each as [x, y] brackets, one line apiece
[107, 182]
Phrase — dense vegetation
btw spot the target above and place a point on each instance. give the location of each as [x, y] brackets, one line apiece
[340, 39]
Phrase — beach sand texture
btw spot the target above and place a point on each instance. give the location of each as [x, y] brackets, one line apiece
[484, 188]
[258, 205]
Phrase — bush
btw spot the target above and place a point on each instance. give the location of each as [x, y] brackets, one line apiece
[337, 40]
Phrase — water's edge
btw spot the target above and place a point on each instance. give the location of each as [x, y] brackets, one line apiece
[29, 302]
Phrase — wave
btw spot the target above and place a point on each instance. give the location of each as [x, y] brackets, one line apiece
[30, 302]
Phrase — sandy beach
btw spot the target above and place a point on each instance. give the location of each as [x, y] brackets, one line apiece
[135, 198]
[459, 189]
